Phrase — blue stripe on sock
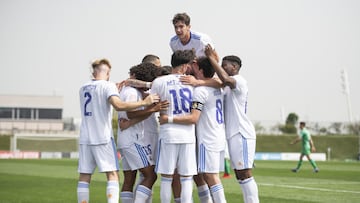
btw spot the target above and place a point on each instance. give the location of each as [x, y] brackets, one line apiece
[165, 179]
[144, 190]
[128, 195]
[203, 193]
[83, 185]
[182, 179]
[216, 188]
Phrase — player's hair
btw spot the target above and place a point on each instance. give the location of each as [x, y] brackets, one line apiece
[181, 57]
[99, 62]
[233, 59]
[150, 58]
[303, 123]
[205, 65]
[184, 17]
[144, 71]
[164, 70]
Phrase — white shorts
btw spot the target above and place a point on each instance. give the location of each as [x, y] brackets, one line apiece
[152, 139]
[173, 156]
[241, 151]
[103, 156]
[210, 161]
[136, 157]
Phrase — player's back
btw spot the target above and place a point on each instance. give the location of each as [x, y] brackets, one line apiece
[179, 95]
[96, 111]
[211, 118]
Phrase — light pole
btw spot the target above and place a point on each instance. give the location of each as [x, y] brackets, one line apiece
[346, 91]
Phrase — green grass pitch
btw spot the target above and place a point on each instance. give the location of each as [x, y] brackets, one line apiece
[55, 181]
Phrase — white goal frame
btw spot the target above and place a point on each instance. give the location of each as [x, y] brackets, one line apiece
[40, 136]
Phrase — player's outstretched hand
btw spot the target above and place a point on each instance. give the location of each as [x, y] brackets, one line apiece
[120, 85]
[160, 106]
[124, 124]
[189, 80]
[152, 98]
[210, 52]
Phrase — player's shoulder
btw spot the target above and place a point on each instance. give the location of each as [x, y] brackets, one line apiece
[160, 80]
[197, 35]
[174, 38]
[128, 89]
[239, 79]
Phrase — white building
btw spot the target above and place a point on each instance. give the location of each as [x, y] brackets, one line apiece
[31, 113]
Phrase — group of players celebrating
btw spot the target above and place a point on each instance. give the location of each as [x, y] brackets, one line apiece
[174, 121]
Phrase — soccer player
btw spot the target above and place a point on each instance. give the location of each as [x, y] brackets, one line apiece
[307, 146]
[135, 148]
[207, 113]
[176, 146]
[240, 132]
[186, 39]
[96, 142]
[151, 58]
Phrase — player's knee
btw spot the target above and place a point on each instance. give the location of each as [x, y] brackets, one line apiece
[243, 174]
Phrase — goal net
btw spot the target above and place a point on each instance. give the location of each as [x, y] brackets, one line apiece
[44, 142]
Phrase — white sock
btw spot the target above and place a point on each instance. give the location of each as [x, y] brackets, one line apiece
[165, 190]
[204, 194]
[217, 192]
[186, 189]
[139, 180]
[149, 200]
[127, 197]
[177, 200]
[112, 192]
[142, 194]
[83, 192]
[250, 190]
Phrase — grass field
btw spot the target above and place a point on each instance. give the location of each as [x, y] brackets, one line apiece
[55, 181]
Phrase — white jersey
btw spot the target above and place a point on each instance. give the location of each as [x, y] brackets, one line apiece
[170, 88]
[210, 128]
[198, 41]
[235, 110]
[96, 112]
[135, 132]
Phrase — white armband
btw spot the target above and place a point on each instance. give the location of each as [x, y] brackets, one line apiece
[170, 119]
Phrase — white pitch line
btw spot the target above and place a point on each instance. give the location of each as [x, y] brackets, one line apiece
[309, 188]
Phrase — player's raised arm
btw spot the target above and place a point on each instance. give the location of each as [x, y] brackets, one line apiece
[126, 106]
[222, 74]
[191, 80]
[186, 119]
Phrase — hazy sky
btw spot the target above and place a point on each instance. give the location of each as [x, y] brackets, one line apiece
[292, 50]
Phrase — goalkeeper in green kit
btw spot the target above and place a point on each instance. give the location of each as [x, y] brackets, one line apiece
[307, 146]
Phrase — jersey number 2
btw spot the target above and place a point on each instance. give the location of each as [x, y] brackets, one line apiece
[87, 95]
